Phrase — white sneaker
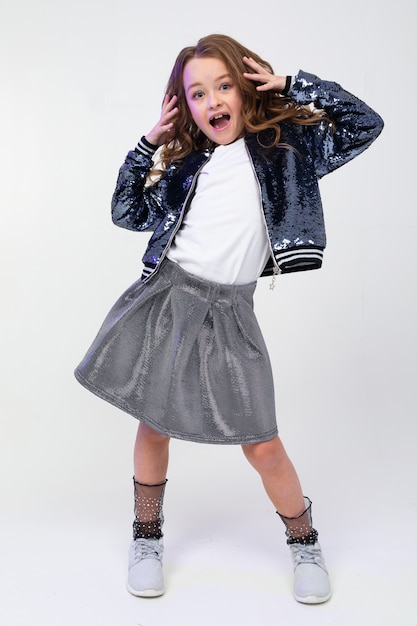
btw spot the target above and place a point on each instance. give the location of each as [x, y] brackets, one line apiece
[145, 577]
[311, 579]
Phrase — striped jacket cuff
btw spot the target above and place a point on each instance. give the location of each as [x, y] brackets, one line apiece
[147, 270]
[298, 259]
[145, 147]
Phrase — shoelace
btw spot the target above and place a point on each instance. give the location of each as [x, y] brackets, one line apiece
[148, 549]
[307, 554]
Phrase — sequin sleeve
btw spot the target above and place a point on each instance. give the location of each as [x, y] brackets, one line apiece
[354, 125]
[135, 205]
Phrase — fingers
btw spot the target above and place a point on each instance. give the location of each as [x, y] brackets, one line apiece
[257, 67]
[169, 111]
[164, 129]
[169, 102]
[167, 121]
[261, 74]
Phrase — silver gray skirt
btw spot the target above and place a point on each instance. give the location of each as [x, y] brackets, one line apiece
[187, 357]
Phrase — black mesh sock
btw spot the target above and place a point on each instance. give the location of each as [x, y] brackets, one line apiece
[300, 529]
[148, 510]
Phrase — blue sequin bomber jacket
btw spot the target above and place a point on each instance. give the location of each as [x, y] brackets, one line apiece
[287, 176]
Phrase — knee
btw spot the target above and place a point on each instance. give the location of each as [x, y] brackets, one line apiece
[146, 433]
[264, 456]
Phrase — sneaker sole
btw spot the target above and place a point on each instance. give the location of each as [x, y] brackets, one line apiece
[312, 599]
[145, 593]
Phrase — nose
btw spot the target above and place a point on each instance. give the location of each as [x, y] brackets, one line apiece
[214, 100]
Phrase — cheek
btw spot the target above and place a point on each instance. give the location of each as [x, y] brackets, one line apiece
[192, 110]
[196, 115]
[239, 109]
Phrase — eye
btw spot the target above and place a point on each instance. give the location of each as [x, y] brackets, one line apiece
[225, 86]
[197, 95]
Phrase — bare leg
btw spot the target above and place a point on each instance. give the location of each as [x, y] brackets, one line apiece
[278, 475]
[311, 580]
[150, 456]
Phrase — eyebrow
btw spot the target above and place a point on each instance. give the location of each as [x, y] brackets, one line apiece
[216, 80]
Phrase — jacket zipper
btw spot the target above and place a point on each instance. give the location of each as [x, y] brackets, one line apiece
[179, 222]
[276, 269]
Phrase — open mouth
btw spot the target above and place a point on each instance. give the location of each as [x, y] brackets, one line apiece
[220, 121]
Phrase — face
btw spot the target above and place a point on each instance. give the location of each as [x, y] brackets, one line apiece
[214, 99]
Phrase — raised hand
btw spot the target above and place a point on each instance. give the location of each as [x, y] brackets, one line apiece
[262, 75]
[162, 132]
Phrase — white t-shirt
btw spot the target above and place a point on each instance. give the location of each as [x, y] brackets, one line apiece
[223, 236]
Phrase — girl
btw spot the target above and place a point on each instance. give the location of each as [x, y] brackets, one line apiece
[234, 197]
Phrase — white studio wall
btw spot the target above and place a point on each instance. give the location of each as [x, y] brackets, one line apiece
[81, 82]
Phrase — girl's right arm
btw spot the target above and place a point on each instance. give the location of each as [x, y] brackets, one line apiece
[135, 205]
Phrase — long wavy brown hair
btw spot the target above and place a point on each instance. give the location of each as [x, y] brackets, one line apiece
[261, 110]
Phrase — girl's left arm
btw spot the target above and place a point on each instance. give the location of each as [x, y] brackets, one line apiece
[354, 125]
